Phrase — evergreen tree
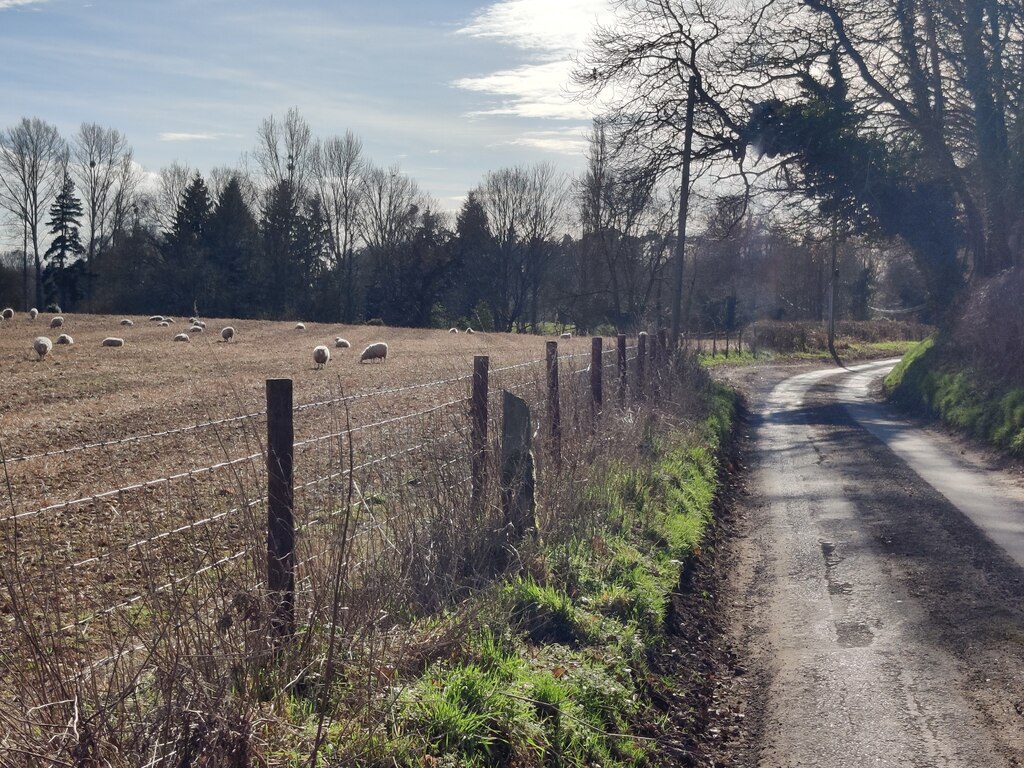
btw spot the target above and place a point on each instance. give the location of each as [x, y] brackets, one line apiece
[61, 281]
[233, 236]
[187, 269]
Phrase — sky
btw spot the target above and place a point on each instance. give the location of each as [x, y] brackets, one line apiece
[446, 90]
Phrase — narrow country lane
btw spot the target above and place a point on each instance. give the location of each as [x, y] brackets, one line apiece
[878, 591]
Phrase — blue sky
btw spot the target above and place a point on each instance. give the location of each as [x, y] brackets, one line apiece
[448, 90]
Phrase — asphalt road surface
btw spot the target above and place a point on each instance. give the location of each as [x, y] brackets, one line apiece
[877, 587]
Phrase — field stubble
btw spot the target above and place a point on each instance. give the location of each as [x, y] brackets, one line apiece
[135, 473]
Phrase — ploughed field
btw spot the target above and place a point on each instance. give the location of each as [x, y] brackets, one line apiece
[133, 471]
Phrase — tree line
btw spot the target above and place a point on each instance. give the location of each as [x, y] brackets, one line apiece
[310, 228]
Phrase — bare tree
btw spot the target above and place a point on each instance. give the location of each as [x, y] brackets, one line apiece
[390, 202]
[524, 208]
[174, 178]
[338, 167]
[33, 159]
[107, 179]
[284, 151]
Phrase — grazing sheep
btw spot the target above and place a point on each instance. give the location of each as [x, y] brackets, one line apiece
[341, 343]
[565, 336]
[201, 324]
[193, 320]
[321, 355]
[42, 346]
[470, 330]
[112, 341]
[300, 326]
[196, 329]
[7, 313]
[453, 330]
[56, 322]
[168, 319]
[127, 323]
[156, 319]
[376, 351]
[164, 324]
[65, 339]
[227, 333]
[33, 313]
[182, 337]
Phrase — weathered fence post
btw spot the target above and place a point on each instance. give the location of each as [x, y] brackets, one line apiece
[478, 429]
[641, 361]
[280, 506]
[620, 345]
[554, 407]
[518, 476]
[596, 369]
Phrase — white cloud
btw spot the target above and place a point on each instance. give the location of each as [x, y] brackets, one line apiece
[15, 3]
[570, 141]
[552, 33]
[556, 28]
[532, 90]
[183, 136]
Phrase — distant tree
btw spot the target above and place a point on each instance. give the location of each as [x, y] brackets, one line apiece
[102, 164]
[284, 151]
[234, 243]
[32, 161]
[174, 180]
[186, 251]
[524, 207]
[280, 280]
[338, 166]
[472, 251]
[66, 245]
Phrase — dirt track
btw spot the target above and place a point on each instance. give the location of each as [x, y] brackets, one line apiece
[878, 625]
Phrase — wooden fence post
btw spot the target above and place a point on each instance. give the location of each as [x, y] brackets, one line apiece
[620, 345]
[280, 506]
[554, 407]
[596, 370]
[518, 475]
[641, 361]
[478, 429]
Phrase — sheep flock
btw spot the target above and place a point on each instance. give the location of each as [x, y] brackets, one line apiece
[374, 351]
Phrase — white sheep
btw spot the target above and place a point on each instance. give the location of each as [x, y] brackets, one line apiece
[453, 330]
[168, 319]
[227, 333]
[376, 351]
[65, 339]
[42, 346]
[201, 324]
[127, 323]
[193, 320]
[470, 330]
[56, 322]
[112, 341]
[565, 336]
[164, 324]
[156, 319]
[300, 326]
[33, 313]
[321, 355]
[341, 343]
[7, 313]
[182, 337]
[196, 329]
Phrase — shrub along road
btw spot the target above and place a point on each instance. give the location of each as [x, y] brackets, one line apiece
[880, 624]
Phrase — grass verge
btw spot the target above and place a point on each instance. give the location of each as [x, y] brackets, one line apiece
[553, 667]
[929, 383]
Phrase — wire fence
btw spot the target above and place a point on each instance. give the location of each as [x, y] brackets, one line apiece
[393, 513]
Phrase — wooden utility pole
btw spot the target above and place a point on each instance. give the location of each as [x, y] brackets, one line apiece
[684, 205]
